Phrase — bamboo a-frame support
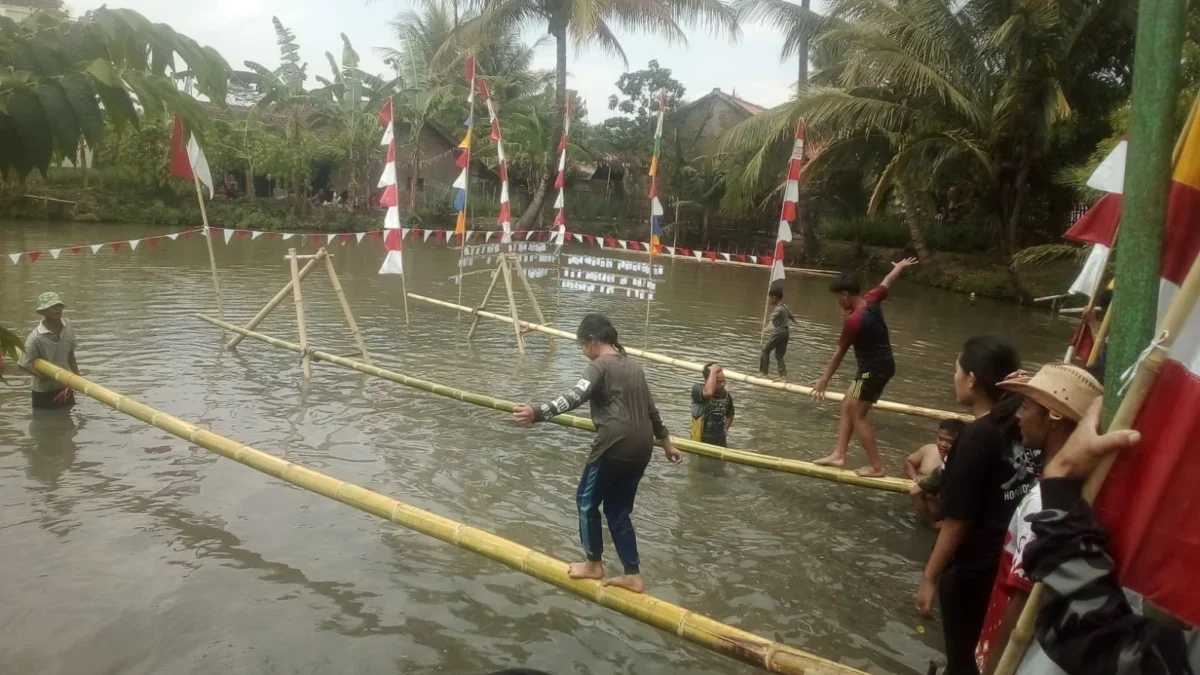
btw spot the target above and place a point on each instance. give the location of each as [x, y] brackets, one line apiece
[292, 288]
[1147, 371]
[734, 456]
[890, 406]
[696, 628]
[508, 266]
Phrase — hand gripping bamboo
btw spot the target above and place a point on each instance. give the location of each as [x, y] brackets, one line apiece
[904, 408]
[696, 628]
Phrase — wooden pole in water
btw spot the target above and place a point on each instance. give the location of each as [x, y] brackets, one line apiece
[212, 258]
[734, 456]
[696, 628]
[890, 406]
[305, 359]
[272, 304]
[512, 302]
[341, 296]
[486, 296]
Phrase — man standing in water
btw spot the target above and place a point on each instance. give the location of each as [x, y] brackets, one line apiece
[53, 339]
[865, 330]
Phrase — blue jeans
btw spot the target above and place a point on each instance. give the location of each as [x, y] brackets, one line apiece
[613, 485]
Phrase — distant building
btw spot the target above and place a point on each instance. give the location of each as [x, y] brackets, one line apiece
[15, 12]
[701, 122]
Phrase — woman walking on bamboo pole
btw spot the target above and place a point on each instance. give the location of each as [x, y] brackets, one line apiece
[627, 422]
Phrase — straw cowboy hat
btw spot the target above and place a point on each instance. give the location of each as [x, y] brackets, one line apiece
[1066, 391]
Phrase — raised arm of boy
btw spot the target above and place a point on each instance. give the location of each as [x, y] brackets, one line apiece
[897, 269]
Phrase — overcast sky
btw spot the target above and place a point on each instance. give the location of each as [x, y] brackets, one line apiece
[241, 30]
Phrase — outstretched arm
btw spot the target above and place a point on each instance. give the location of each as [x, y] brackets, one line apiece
[569, 400]
[897, 269]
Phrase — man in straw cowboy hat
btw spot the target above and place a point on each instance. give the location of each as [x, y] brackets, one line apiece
[53, 339]
[1056, 399]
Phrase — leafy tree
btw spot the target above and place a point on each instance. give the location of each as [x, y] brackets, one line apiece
[975, 99]
[57, 74]
[588, 23]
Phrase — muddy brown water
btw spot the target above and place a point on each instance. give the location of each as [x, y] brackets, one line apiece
[127, 550]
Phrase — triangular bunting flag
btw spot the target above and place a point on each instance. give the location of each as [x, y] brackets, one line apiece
[55, 252]
[670, 249]
[754, 259]
[76, 249]
[622, 243]
[427, 235]
[487, 236]
[34, 255]
[133, 244]
[725, 256]
[116, 246]
[15, 257]
[173, 237]
[288, 235]
[255, 235]
[359, 236]
[228, 235]
[96, 248]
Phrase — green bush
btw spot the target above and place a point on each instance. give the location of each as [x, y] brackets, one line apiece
[891, 231]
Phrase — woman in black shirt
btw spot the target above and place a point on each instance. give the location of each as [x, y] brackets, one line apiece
[978, 498]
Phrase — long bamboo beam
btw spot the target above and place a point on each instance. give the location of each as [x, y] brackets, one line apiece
[758, 460]
[903, 408]
[699, 629]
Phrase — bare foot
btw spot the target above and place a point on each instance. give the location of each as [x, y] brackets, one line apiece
[630, 582]
[762, 375]
[871, 472]
[586, 570]
[832, 460]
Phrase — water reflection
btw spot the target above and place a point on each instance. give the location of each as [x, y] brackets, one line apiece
[51, 450]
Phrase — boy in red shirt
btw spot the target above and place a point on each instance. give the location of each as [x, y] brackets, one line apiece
[865, 330]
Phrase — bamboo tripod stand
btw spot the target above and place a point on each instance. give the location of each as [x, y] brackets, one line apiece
[298, 275]
[508, 266]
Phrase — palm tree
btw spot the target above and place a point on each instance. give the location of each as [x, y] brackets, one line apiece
[587, 23]
[966, 95]
[799, 25]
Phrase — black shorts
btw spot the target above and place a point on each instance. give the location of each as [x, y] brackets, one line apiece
[869, 386]
[44, 400]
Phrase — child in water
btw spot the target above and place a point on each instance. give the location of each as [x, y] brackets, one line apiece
[627, 422]
[777, 324]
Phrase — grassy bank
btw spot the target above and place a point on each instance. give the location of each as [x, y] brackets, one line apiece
[984, 274]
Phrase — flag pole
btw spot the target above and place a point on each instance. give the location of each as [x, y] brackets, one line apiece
[212, 258]
[1160, 32]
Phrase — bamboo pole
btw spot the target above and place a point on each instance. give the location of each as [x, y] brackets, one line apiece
[341, 296]
[734, 456]
[1100, 337]
[537, 309]
[1147, 371]
[271, 304]
[486, 296]
[305, 358]
[696, 628]
[890, 406]
[512, 303]
[212, 258]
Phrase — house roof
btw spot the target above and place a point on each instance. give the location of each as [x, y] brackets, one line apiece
[749, 108]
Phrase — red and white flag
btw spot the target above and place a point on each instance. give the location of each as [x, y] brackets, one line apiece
[791, 197]
[393, 234]
[1149, 500]
[187, 159]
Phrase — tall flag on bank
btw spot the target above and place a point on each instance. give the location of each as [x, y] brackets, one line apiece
[1148, 501]
[505, 218]
[560, 183]
[656, 207]
[791, 196]
[393, 237]
[187, 159]
[462, 183]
